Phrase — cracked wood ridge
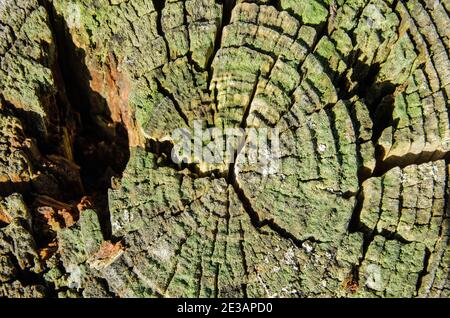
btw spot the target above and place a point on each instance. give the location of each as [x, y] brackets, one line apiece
[91, 204]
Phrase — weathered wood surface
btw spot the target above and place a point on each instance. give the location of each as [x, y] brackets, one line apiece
[92, 206]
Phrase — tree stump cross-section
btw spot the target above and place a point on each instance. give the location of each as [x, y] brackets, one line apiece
[94, 204]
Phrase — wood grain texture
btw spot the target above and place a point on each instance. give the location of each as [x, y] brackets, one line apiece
[92, 205]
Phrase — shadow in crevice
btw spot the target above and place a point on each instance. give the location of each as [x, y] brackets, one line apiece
[100, 145]
[9, 187]
[378, 96]
[362, 81]
[228, 6]
[406, 160]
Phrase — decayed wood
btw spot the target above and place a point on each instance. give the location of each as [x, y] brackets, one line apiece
[90, 92]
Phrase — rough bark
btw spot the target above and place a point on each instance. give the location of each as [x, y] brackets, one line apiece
[92, 206]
